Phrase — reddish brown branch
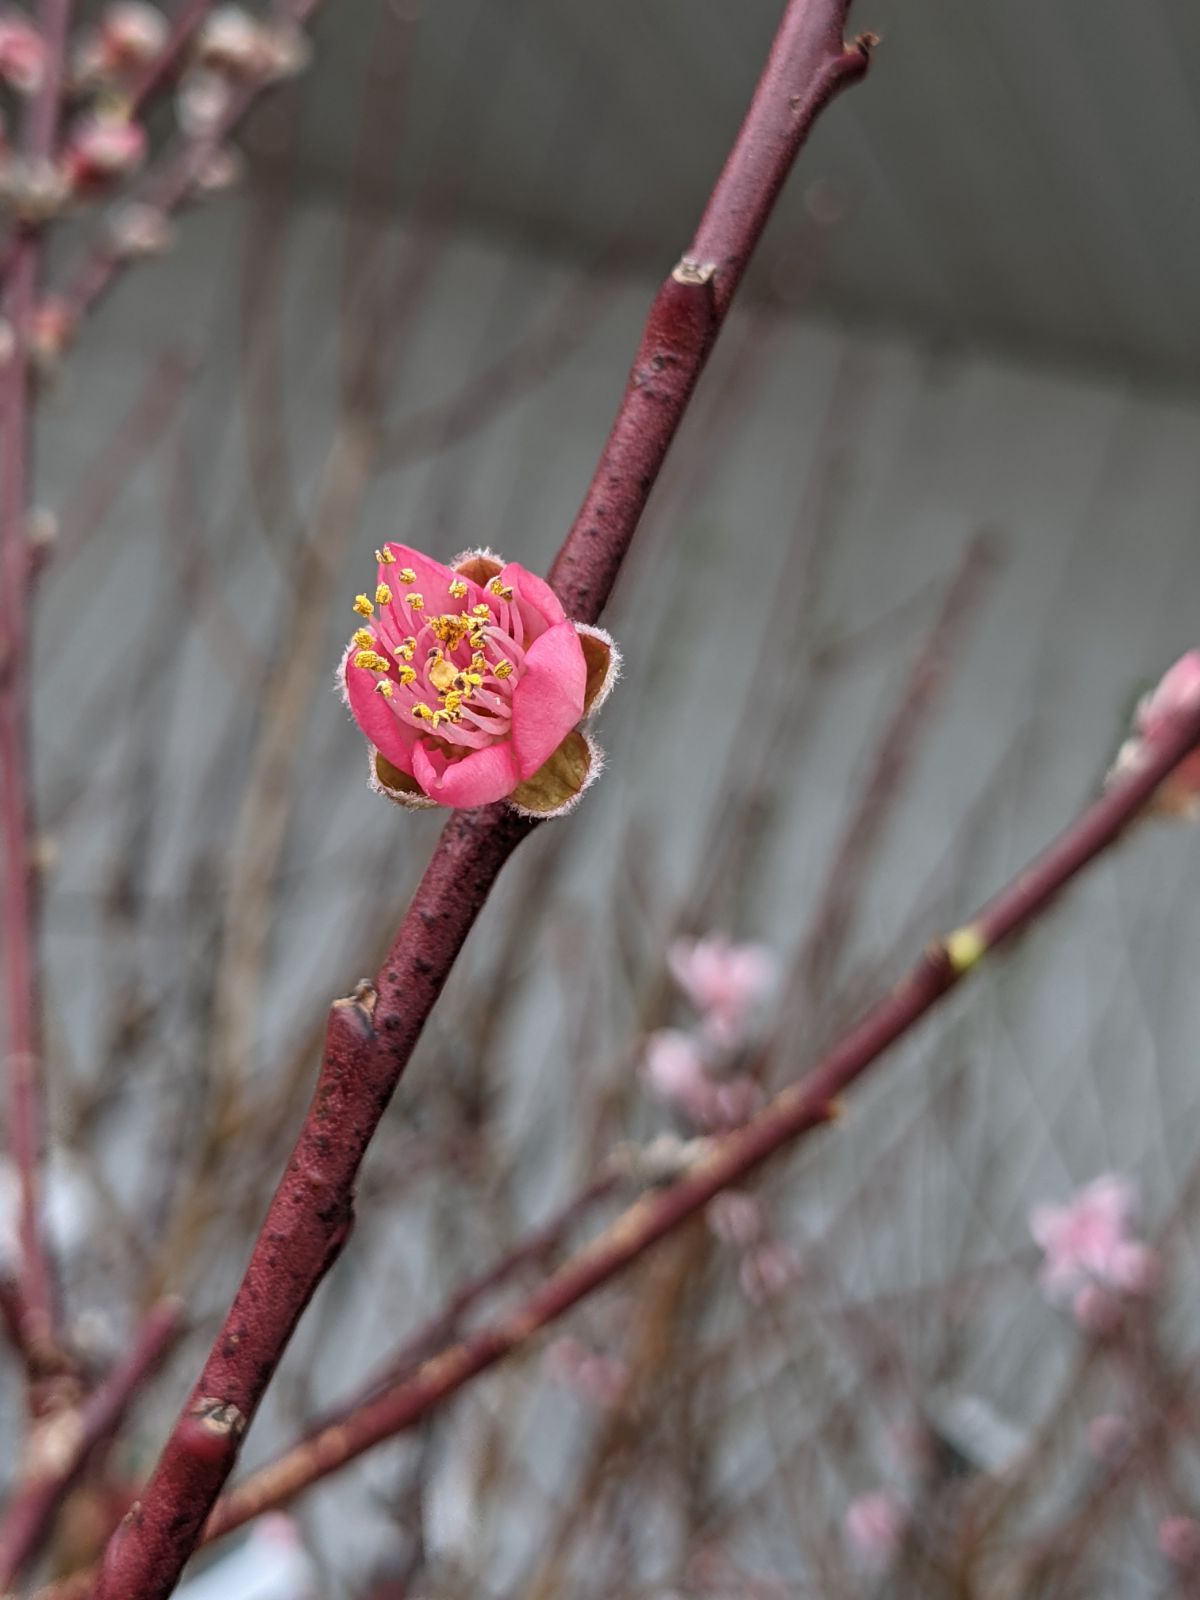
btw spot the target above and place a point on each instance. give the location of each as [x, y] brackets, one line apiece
[370, 1038]
[21, 1040]
[63, 1442]
[805, 1105]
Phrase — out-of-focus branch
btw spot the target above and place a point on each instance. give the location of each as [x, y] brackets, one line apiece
[21, 1040]
[371, 1036]
[62, 1442]
[165, 189]
[804, 1106]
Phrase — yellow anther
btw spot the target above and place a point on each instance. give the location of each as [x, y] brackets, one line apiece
[385, 557]
[442, 674]
[371, 660]
[500, 590]
[407, 575]
[504, 669]
[384, 687]
[416, 601]
[383, 595]
[406, 648]
[481, 610]
[364, 638]
[422, 711]
[458, 589]
[454, 704]
[407, 674]
[362, 604]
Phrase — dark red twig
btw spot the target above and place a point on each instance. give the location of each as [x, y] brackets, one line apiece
[371, 1036]
[63, 1442]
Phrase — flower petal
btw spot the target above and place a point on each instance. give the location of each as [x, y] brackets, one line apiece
[375, 716]
[558, 783]
[548, 699]
[395, 785]
[433, 581]
[476, 780]
[603, 665]
[540, 606]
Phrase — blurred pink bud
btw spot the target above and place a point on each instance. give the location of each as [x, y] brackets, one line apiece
[1087, 1241]
[1108, 1438]
[101, 149]
[22, 54]
[767, 1270]
[230, 41]
[201, 102]
[874, 1528]
[735, 1217]
[674, 1071]
[139, 231]
[1179, 1541]
[50, 333]
[598, 1380]
[131, 34]
[1177, 694]
[723, 980]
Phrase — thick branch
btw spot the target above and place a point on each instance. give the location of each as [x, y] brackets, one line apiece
[370, 1038]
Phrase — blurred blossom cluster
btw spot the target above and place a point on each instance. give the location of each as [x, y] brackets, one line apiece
[1092, 1258]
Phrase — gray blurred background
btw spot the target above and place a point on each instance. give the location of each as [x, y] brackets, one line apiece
[974, 316]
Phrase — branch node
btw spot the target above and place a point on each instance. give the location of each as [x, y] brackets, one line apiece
[218, 1417]
[694, 273]
[965, 948]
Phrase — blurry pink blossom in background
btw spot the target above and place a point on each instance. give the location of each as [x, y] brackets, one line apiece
[1179, 1541]
[22, 53]
[1176, 695]
[874, 1528]
[675, 1073]
[598, 1380]
[1088, 1246]
[726, 982]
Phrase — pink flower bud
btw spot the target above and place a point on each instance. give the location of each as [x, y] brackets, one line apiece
[1176, 695]
[22, 54]
[102, 149]
[674, 1071]
[874, 1527]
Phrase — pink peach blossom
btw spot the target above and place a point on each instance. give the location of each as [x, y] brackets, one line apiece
[723, 980]
[467, 679]
[674, 1071]
[22, 54]
[1088, 1243]
[100, 149]
[874, 1527]
[128, 36]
